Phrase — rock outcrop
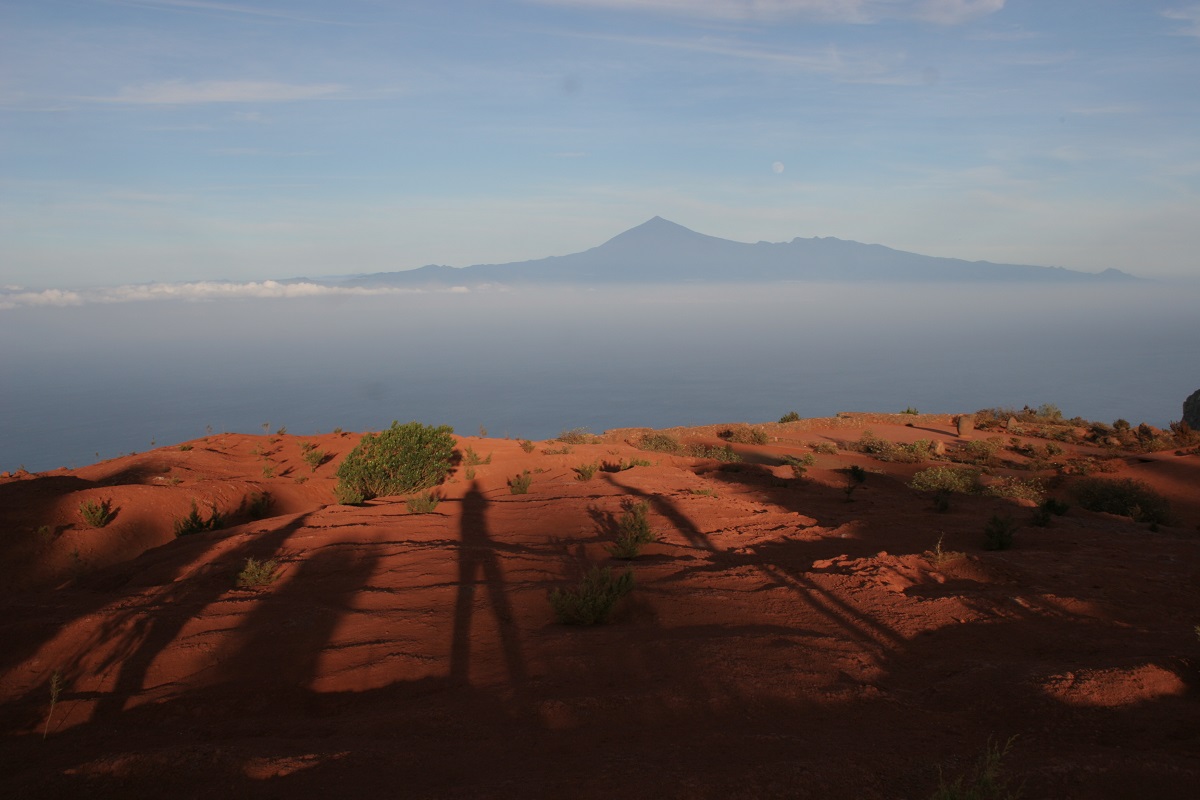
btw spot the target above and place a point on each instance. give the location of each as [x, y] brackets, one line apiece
[1191, 410]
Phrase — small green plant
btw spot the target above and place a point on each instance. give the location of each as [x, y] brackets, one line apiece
[824, 448]
[281, 430]
[185, 447]
[314, 458]
[472, 459]
[307, 446]
[856, 474]
[790, 416]
[998, 533]
[527, 445]
[744, 434]
[705, 492]
[1017, 488]
[301, 479]
[576, 436]
[660, 443]
[56, 687]
[403, 459]
[565, 450]
[592, 601]
[1124, 496]
[97, 515]
[945, 479]
[519, 484]
[268, 471]
[985, 781]
[910, 410]
[482, 432]
[258, 505]
[585, 472]
[194, 523]
[725, 454]
[257, 573]
[348, 495]
[469, 473]
[423, 503]
[633, 531]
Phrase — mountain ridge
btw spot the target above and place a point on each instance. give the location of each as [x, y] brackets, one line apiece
[662, 251]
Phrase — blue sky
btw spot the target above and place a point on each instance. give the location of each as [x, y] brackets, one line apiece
[177, 140]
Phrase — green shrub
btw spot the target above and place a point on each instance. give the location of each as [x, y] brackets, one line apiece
[314, 458]
[633, 531]
[258, 505]
[1017, 488]
[472, 459]
[1124, 496]
[422, 503]
[593, 600]
[348, 495]
[527, 445]
[910, 410]
[403, 459]
[585, 472]
[96, 514]
[257, 573]
[1047, 509]
[565, 450]
[884, 450]
[791, 416]
[660, 443]
[185, 447]
[824, 448]
[856, 474]
[743, 434]
[945, 479]
[519, 484]
[576, 436]
[985, 781]
[998, 533]
[194, 523]
[723, 454]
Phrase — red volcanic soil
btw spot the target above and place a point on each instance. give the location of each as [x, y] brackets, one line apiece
[785, 638]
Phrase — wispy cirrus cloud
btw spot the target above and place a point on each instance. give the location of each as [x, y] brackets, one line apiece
[177, 92]
[1190, 16]
[237, 9]
[15, 297]
[943, 12]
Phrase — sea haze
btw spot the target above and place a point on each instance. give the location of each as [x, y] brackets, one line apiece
[95, 381]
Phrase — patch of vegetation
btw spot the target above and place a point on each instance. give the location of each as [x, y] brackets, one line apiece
[938, 556]
[633, 531]
[403, 459]
[824, 448]
[744, 434]
[885, 450]
[97, 515]
[585, 472]
[592, 601]
[724, 454]
[1018, 488]
[268, 471]
[799, 464]
[998, 533]
[660, 443]
[185, 447]
[519, 484]
[910, 410]
[705, 492]
[565, 450]
[527, 445]
[790, 416]
[314, 458]
[423, 503]
[194, 523]
[985, 781]
[258, 505]
[624, 464]
[576, 436]
[472, 459]
[56, 687]
[1048, 509]
[945, 479]
[257, 573]
[348, 495]
[979, 451]
[1124, 496]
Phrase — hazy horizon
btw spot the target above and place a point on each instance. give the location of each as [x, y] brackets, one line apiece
[109, 379]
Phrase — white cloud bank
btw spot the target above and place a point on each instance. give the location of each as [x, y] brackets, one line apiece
[16, 297]
[943, 12]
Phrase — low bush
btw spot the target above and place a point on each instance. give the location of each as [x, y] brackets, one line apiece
[97, 515]
[257, 505]
[423, 503]
[824, 448]
[791, 416]
[945, 479]
[592, 601]
[885, 450]
[185, 447]
[194, 523]
[585, 472]
[519, 484]
[633, 531]
[660, 443]
[314, 458]
[348, 495]
[979, 451]
[403, 459]
[724, 454]
[257, 573]
[1017, 488]
[473, 459]
[998, 533]
[576, 436]
[527, 445]
[1124, 496]
[743, 434]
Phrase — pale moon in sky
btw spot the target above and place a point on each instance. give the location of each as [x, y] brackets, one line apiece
[777, 167]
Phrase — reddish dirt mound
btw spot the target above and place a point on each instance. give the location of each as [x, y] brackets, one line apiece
[787, 636]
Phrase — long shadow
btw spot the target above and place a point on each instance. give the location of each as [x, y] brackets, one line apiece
[141, 636]
[476, 560]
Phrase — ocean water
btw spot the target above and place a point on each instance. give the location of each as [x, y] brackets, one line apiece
[94, 381]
